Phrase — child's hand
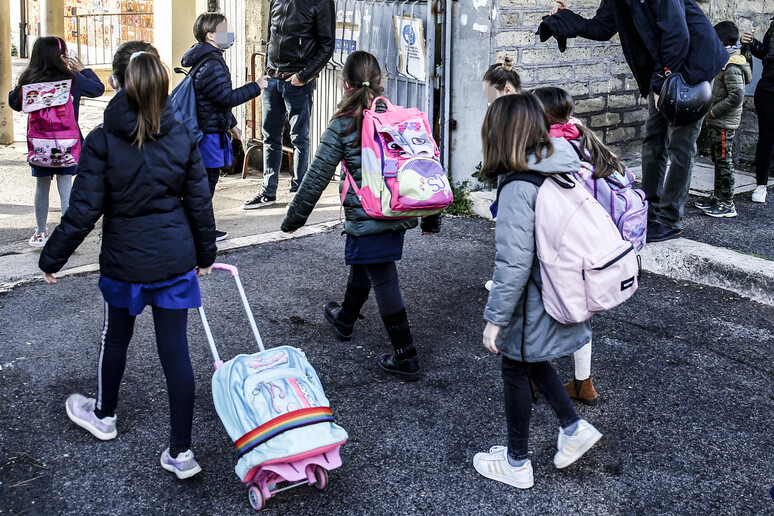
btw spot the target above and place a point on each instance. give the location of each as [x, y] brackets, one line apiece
[236, 132]
[49, 278]
[491, 332]
[263, 82]
[203, 271]
[747, 36]
[76, 64]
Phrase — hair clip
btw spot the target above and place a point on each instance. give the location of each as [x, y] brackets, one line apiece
[136, 54]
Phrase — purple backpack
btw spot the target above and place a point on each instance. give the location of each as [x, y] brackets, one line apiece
[624, 203]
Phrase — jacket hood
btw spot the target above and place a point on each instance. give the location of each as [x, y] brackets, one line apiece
[564, 160]
[196, 52]
[738, 59]
[120, 120]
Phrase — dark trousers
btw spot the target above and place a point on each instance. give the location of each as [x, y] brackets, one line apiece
[667, 191]
[281, 100]
[213, 175]
[172, 345]
[722, 152]
[518, 400]
[383, 278]
[764, 108]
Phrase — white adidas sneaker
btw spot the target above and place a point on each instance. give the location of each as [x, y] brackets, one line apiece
[572, 447]
[495, 465]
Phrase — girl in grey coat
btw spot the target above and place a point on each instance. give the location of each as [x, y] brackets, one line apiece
[519, 153]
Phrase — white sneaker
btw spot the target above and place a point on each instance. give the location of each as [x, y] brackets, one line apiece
[183, 466]
[759, 195]
[80, 410]
[572, 447]
[495, 465]
[40, 239]
[488, 285]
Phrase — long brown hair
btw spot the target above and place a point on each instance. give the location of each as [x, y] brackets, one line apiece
[362, 74]
[515, 127]
[559, 109]
[137, 68]
[46, 63]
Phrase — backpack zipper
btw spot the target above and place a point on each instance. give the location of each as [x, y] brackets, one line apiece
[611, 262]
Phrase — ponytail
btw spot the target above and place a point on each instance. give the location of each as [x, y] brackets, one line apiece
[604, 161]
[147, 87]
[362, 74]
[500, 75]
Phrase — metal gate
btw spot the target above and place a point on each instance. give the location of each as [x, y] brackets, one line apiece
[371, 25]
[236, 57]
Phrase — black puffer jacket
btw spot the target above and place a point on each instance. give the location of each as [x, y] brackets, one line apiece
[336, 145]
[214, 94]
[301, 36]
[158, 221]
[765, 52]
[655, 34]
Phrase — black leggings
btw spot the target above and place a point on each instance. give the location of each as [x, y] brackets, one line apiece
[518, 401]
[764, 107]
[383, 277]
[213, 175]
[172, 344]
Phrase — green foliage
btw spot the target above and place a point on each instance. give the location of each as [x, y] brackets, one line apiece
[14, 51]
[462, 205]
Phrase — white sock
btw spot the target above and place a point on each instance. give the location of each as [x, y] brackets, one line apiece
[582, 359]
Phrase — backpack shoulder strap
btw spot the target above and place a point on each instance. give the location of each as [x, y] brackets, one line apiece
[530, 177]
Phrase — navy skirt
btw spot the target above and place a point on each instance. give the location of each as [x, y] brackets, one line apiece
[378, 248]
[180, 292]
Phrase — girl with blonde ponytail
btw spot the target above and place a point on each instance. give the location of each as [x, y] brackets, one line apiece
[142, 172]
[373, 246]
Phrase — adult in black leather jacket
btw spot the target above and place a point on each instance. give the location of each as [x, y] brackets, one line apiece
[764, 108]
[301, 41]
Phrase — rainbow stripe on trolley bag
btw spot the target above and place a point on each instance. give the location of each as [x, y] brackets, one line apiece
[295, 419]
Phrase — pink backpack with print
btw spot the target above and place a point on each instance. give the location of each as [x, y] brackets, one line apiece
[53, 137]
[401, 176]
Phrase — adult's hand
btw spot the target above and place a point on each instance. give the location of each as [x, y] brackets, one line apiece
[236, 132]
[203, 271]
[655, 100]
[747, 36]
[560, 4]
[49, 278]
[295, 81]
[491, 331]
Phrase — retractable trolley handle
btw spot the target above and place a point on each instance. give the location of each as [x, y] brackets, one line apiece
[234, 274]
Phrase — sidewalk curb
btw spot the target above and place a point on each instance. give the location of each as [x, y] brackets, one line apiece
[226, 245]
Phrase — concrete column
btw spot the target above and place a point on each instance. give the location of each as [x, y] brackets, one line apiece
[173, 30]
[6, 114]
[52, 18]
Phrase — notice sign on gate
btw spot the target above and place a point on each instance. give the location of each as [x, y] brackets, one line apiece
[412, 54]
[347, 32]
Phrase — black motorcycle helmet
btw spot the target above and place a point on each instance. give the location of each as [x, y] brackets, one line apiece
[681, 103]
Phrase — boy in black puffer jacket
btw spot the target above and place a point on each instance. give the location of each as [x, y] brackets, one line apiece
[214, 94]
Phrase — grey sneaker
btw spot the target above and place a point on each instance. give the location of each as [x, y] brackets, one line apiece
[722, 209]
[80, 410]
[184, 466]
[706, 204]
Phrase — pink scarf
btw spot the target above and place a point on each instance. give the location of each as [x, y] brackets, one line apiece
[567, 131]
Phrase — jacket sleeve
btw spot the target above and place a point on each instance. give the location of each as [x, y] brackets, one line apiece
[14, 99]
[758, 49]
[87, 202]
[89, 83]
[327, 158]
[197, 203]
[212, 83]
[675, 38]
[325, 32]
[566, 24]
[515, 250]
[734, 81]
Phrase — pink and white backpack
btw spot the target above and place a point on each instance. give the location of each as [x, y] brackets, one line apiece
[401, 175]
[53, 137]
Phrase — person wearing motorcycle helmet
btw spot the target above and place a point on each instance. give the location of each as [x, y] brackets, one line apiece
[659, 38]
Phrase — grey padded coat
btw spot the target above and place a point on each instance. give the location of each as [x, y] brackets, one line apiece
[515, 303]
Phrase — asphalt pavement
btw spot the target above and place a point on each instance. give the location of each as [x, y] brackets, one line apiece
[684, 374]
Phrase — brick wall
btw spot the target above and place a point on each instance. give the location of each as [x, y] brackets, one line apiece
[596, 73]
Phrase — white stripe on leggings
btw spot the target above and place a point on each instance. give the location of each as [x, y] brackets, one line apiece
[101, 355]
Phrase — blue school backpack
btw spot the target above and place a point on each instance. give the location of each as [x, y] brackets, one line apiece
[183, 99]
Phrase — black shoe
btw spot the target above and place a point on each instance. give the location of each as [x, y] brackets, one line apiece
[343, 330]
[661, 232]
[220, 235]
[259, 201]
[407, 369]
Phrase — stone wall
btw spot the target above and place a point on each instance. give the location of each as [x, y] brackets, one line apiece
[596, 73]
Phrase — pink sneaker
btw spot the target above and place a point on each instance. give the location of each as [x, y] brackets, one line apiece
[80, 410]
[38, 239]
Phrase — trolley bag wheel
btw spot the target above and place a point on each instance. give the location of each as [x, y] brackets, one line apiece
[255, 496]
[321, 478]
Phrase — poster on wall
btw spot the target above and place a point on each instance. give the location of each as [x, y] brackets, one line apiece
[347, 33]
[412, 52]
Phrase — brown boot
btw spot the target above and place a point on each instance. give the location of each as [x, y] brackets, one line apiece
[582, 390]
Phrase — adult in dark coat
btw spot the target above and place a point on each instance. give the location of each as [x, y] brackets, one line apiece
[656, 36]
[764, 107]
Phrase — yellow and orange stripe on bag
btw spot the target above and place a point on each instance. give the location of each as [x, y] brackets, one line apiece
[283, 423]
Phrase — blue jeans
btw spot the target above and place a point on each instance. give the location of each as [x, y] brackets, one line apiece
[282, 100]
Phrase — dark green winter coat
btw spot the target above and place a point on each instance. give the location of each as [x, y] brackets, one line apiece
[728, 93]
[336, 145]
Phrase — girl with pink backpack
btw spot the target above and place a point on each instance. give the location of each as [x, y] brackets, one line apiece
[373, 245]
[53, 134]
[519, 154]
